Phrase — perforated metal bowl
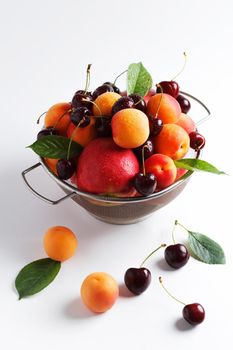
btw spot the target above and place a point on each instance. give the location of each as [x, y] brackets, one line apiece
[122, 210]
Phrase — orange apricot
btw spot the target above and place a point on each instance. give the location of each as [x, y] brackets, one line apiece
[59, 116]
[82, 135]
[165, 107]
[172, 141]
[99, 291]
[130, 128]
[51, 164]
[186, 123]
[105, 102]
[60, 243]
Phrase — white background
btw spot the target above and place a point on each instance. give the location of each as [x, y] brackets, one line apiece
[45, 48]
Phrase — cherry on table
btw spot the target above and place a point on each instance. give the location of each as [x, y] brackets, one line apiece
[193, 313]
[176, 255]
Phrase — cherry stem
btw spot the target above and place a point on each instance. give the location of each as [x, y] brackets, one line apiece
[120, 76]
[54, 127]
[148, 256]
[38, 120]
[184, 64]
[177, 223]
[71, 139]
[172, 296]
[174, 227]
[157, 112]
[143, 159]
[88, 77]
[95, 104]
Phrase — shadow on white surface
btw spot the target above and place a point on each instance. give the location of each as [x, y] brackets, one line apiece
[182, 325]
[162, 265]
[75, 309]
[124, 292]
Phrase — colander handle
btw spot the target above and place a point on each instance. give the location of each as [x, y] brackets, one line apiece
[208, 115]
[47, 200]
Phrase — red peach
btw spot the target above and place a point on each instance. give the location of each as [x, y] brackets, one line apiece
[163, 168]
[172, 141]
[105, 168]
[99, 291]
[186, 123]
[165, 107]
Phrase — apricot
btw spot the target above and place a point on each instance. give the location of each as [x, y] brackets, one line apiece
[172, 141]
[60, 243]
[105, 102]
[168, 110]
[57, 116]
[186, 123]
[82, 135]
[164, 169]
[51, 164]
[130, 128]
[99, 291]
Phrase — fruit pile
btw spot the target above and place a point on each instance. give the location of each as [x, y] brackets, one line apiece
[120, 143]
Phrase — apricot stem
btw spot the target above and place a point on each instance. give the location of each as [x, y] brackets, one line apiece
[172, 296]
[120, 76]
[184, 64]
[38, 120]
[88, 77]
[71, 139]
[148, 256]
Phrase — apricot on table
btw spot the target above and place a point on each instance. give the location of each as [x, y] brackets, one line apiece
[130, 128]
[99, 291]
[59, 116]
[172, 141]
[164, 169]
[60, 243]
[165, 107]
[83, 135]
[104, 102]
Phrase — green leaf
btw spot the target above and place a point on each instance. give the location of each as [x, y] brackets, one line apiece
[205, 249]
[36, 276]
[139, 80]
[197, 165]
[56, 147]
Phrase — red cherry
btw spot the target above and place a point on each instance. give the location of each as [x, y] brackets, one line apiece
[168, 87]
[197, 141]
[194, 313]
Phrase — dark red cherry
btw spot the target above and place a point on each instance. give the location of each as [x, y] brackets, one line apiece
[156, 125]
[103, 126]
[82, 99]
[115, 88]
[139, 103]
[46, 132]
[137, 280]
[184, 103]
[176, 255]
[197, 141]
[123, 103]
[168, 87]
[145, 184]
[148, 150]
[80, 116]
[65, 168]
[101, 90]
[194, 313]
